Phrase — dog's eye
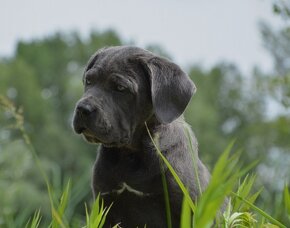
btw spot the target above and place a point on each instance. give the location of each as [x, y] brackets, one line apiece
[120, 88]
[88, 81]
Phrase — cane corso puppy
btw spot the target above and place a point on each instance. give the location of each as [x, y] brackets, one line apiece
[124, 88]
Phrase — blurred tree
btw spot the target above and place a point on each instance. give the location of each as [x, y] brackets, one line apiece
[278, 44]
[220, 110]
[230, 106]
[44, 78]
[275, 170]
[282, 8]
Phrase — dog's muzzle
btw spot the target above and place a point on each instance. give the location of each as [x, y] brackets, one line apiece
[90, 119]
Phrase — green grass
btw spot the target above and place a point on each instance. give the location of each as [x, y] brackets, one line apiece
[223, 190]
[96, 218]
[35, 222]
[230, 187]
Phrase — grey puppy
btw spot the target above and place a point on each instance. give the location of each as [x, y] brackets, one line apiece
[124, 88]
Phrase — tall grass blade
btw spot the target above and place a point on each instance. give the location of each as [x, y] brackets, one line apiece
[104, 215]
[287, 200]
[244, 190]
[224, 176]
[165, 191]
[35, 220]
[194, 157]
[64, 199]
[186, 215]
[252, 198]
[174, 174]
[97, 217]
[56, 220]
[246, 186]
[166, 199]
[17, 115]
[87, 216]
[96, 210]
[58, 217]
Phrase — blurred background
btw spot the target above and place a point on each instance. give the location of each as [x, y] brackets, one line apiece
[236, 52]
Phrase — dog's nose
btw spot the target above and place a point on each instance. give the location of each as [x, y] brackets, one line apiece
[84, 108]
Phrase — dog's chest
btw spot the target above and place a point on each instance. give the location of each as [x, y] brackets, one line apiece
[116, 172]
[120, 163]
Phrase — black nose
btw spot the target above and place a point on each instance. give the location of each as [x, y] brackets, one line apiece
[84, 108]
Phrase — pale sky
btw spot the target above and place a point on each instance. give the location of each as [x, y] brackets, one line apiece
[192, 31]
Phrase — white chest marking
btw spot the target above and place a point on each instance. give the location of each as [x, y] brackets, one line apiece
[124, 187]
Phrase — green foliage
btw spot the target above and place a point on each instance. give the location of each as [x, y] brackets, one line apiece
[186, 214]
[206, 211]
[35, 222]
[277, 44]
[282, 7]
[260, 211]
[244, 191]
[237, 219]
[221, 183]
[94, 218]
[97, 217]
[58, 208]
[58, 218]
[44, 80]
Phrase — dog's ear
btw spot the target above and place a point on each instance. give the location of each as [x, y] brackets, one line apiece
[171, 88]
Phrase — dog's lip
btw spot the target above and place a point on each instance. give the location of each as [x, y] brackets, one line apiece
[90, 137]
[93, 140]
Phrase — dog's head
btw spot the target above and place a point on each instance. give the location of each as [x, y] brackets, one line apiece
[124, 87]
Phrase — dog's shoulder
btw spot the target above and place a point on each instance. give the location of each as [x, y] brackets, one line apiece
[177, 135]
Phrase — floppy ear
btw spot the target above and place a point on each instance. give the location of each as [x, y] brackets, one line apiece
[171, 88]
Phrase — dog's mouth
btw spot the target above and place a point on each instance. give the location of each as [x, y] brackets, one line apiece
[92, 138]
[101, 135]
[90, 135]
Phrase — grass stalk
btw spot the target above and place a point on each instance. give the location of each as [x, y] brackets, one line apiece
[174, 174]
[17, 114]
[166, 199]
[194, 158]
[165, 188]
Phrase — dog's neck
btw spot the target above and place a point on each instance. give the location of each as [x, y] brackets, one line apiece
[141, 137]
